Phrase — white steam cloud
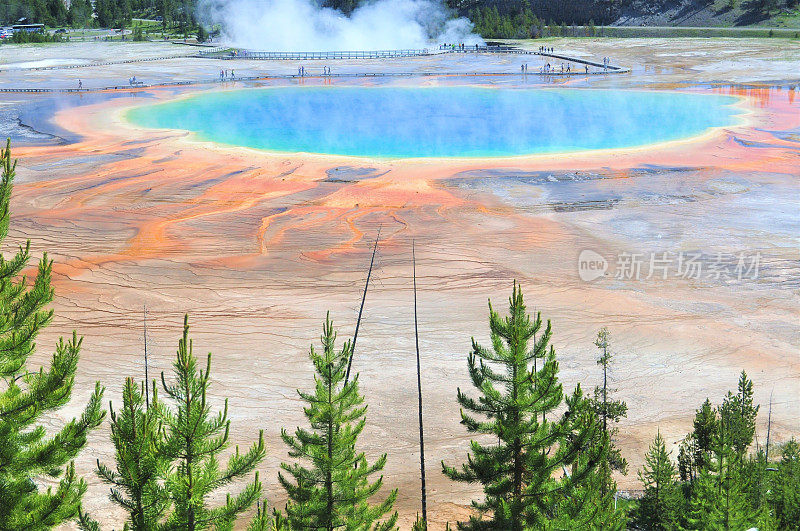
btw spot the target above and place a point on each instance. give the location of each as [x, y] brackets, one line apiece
[302, 25]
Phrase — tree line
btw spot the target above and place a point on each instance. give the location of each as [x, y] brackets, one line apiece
[174, 14]
[545, 456]
[532, 19]
[493, 19]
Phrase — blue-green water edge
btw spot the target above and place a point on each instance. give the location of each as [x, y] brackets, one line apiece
[440, 121]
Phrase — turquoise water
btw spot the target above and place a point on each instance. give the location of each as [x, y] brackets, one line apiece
[439, 122]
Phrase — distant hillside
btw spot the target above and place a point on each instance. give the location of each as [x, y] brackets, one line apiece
[498, 18]
[525, 19]
[776, 13]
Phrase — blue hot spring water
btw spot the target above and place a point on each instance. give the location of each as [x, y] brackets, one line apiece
[440, 121]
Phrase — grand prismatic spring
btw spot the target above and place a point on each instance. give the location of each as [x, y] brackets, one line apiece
[439, 122]
[254, 205]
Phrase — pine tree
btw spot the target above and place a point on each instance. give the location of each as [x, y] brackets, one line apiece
[785, 494]
[103, 11]
[739, 414]
[731, 510]
[124, 15]
[520, 473]
[686, 463]
[27, 454]
[193, 442]
[702, 499]
[592, 502]
[136, 484]
[757, 485]
[166, 10]
[609, 411]
[589, 504]
[333, 491]
[660, 505]
[706, 427]
[717, 499]
[696, 449]
[79, 13]
[726, 490]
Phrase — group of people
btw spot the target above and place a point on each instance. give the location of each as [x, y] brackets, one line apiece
[223, 75]
[454, 47]
[545, 49]
[131, 81]
[301, 71]
[606, 63]
[565, 69]
[548, 68]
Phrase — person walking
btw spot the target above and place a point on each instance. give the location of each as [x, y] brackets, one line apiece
[80, 84]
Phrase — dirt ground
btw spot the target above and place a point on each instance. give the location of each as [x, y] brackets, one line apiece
[256, 247]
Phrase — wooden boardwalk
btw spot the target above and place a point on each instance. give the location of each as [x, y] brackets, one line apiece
[267, 77]
[235, 53]
[334, 55]
[230, 54]
[514, 50]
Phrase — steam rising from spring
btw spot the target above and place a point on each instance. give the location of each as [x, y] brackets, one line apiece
[302, 25]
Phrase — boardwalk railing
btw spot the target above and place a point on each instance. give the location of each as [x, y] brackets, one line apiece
[237, 53]
[455, 48]
[363, 54]
[214, 51]
[609, 67]
[262, 77]
[476, 48]
[107, 63]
